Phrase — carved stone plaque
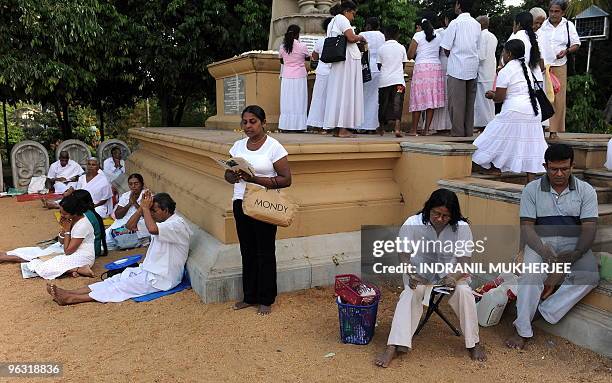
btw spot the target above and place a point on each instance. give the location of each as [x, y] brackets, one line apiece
[78, 151]
[104, 150]
[29, 159]
[234, 96]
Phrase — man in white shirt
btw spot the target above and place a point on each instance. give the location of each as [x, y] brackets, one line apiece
[375, 39]
[391, 84]
[63, 173]
[558, 38]
[114, 166]
[460, 42]
[484, 109]
[163, 266]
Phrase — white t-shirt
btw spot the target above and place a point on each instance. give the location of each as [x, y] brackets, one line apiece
[375, 40]
[70, 170]
[111, 170]
[428, 52]
[84, 229]
[512, 78]
[262, 160]
[337, 27]
[391, 56]
[322, 68]
[167, 253]
[522, 35]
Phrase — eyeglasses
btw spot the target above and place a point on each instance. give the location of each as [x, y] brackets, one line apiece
[437, 215]
[557, 170]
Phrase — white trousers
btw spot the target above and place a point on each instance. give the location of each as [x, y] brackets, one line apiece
[410, 308]
[582, 279]
[131, 283]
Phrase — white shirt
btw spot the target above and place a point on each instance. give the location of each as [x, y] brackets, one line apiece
[111, 170]
[375, 40]
[512, 78]
[337, 27]
[167, 253]
[452, 243]
[84, 229]
[322, 68]
[554, 39]
[428, 52]
[262, 160]
[392, 56]
[486, 55]
[522, 35]
[72, 169]
[462, 38]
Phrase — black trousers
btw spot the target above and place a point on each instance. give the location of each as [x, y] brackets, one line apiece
[258, 250]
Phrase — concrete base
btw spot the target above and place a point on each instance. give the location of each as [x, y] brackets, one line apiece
[585, 326]
[215, 268]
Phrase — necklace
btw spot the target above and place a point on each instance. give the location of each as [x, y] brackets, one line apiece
[255, 143]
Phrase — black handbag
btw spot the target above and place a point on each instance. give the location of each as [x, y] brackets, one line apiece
[334, 49]
[366, 72]
[546, 108]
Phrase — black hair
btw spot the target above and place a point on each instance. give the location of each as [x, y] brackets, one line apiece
[448, 199]
[391, 32]
[137, 176]
[335, 10]
[525, 20]
[347, 5]
[517, 50]
[425, 24]
[465, 5]
[165, 202]
[256, 110]
[325, 23]
[559, 152]
[87, 204]
[115, 148]
[64, 154]
[449, 14]
[373, 23]
[74, 205]
[293, 32]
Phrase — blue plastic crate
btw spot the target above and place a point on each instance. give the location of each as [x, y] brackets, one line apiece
[357, 323]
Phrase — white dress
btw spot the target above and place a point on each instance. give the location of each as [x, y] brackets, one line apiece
[484, 109]
[375, 40]
[344, 106]
[61, 263]
[441, 118]
[316, 114]
[514, 140]
[294, 88]
[608, 163]
[100, 189]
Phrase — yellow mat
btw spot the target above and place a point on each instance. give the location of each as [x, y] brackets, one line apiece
[107, 221]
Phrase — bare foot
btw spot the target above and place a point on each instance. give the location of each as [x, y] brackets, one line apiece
[85, 271]
[553, 135]
[398, 134]
[264, 310]
[516, 341]
[60, 296]
[412, 134]
[386, 357]
[478, 353]
[49, 288]
[242, 305]
[380, 131]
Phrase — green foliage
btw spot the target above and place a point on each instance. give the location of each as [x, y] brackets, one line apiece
[399, 12]
[582, 116]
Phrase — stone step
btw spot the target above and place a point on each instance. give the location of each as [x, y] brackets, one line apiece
[598, 177]
[604, 194]
[603, 240]
[605, 214]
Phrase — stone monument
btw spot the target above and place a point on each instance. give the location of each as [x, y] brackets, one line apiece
[104, 149]
[307, 14]
[29, 159]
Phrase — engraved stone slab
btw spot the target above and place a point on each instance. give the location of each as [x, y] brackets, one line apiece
[104, 149]
[234, 96]
[78, 150]
[29, 159]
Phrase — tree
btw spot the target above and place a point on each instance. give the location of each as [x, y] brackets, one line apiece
[399, 12]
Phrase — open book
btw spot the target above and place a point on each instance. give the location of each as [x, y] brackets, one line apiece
[236, 164]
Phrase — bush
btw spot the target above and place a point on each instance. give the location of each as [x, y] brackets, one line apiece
[582, 116]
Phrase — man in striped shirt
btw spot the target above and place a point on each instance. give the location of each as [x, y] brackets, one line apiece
[461, 41]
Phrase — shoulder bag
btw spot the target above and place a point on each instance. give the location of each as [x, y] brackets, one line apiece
[334, 48]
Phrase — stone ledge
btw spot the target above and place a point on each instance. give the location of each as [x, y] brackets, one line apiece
[487, 189]
[439, 149]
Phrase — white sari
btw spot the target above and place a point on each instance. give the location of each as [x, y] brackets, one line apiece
[100, 189]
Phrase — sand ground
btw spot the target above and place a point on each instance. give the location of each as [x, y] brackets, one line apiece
[180, 339]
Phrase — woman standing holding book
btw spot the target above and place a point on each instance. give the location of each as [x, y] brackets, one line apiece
[268, 159]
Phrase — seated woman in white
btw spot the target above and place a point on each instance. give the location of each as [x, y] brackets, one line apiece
[73, 255]
[96, 183]
[128, 204]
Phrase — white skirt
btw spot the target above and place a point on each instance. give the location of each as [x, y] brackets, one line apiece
[344, 106]
[54, 267]
[608, 163]
[370, 103]
[293, 104]
[484, 109]
[316, 114]
[513, 142]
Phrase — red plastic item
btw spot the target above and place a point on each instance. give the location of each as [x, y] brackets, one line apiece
[346, 288]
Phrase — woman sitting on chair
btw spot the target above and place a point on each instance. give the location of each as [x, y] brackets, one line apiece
[439, 222]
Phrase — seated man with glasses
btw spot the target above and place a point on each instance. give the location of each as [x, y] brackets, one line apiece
[430, 232]
[558, 225]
